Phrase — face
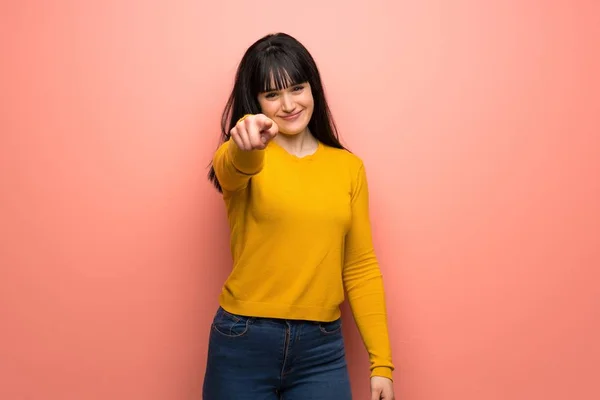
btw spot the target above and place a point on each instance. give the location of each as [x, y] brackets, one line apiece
[291, 108]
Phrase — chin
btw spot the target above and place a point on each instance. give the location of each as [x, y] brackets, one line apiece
[292, 129]
[293, 132]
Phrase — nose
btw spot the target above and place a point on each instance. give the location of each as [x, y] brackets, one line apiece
[287, 103]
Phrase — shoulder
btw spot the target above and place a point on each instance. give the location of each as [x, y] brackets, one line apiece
[344, 158]
[221, 148]
[351, 166]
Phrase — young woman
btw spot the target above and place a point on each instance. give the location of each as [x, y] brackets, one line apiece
[297, 204]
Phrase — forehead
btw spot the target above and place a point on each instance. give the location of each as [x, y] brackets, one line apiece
[273, 86]
[279, 78]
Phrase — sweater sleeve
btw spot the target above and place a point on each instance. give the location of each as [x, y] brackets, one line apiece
[234, 167]
[364, 283]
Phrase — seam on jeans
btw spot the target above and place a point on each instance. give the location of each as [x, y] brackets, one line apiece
[231, 326]
[232, 316]
[286, 344]
[338, 327]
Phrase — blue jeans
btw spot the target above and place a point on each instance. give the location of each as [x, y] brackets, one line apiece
[270, 359]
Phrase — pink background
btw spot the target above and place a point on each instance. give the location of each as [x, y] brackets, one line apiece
[479, 125]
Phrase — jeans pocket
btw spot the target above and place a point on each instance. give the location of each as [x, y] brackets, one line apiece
[230, 325]
[329, 328]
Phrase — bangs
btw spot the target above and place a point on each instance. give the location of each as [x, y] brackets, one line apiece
[277, 70]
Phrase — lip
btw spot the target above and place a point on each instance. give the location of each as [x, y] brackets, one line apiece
[292, 117]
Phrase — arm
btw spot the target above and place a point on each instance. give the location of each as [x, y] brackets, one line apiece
[364, 283]
[234, 167]
[242, 156]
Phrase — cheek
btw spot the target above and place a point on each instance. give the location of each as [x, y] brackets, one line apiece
[309, 105]
[308, 101]
[269, 108]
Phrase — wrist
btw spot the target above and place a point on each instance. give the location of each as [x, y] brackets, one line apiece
[384, 372]
[243, 118]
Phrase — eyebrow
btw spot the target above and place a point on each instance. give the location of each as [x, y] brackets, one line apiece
[269, 90]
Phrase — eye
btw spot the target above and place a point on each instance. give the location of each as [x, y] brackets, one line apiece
[298, 88]
[270, 95]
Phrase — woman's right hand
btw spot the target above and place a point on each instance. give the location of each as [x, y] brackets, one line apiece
[254, 132]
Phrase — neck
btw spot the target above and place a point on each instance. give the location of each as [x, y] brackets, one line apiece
[300, 144]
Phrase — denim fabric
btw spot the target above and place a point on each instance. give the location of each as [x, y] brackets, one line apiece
[269, 359]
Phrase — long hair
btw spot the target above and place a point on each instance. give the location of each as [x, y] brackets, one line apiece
[281, 60]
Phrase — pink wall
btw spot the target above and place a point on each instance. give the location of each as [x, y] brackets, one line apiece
[479, 125]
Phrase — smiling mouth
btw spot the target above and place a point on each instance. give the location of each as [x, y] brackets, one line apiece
[291, 117]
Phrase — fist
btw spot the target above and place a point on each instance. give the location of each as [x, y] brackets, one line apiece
[254, 132]
[382, 388]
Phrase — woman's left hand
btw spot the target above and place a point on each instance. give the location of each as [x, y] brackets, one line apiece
[381, 388]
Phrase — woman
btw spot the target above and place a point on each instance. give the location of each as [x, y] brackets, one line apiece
[297, 204]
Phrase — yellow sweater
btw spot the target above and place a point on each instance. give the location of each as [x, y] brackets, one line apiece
[300, 235]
